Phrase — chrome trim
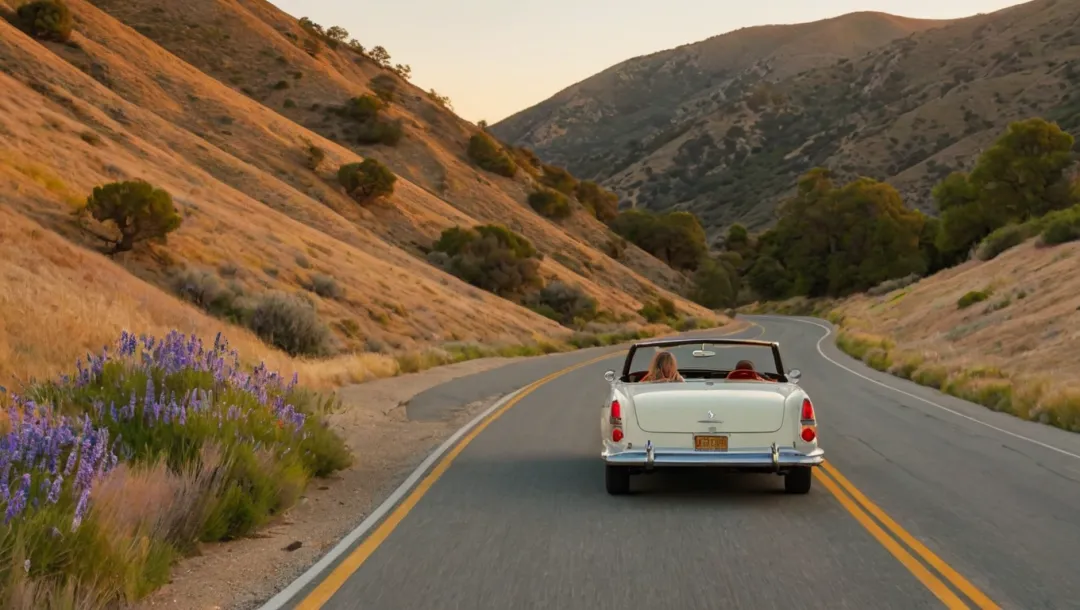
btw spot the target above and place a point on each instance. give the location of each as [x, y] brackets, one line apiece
[772, 457]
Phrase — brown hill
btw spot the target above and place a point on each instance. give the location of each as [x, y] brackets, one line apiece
[111, 104]
[906, 111]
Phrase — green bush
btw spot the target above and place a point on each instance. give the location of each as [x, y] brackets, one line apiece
[363, 108]
[569, 303]
[47, 19]
[652, 313]
[971, 298]
[1003, 239]
[315, 157]
[676, 238]
[550, 204]
[487, 154]
[291, 324]
[138, 210]
[384, 87]
[601, 202]
[205, 290]
[380, 131]
[558, 179]
[1061, 227]
[367, 180]
[490, 257]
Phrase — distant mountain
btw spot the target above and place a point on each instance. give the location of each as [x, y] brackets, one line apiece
[725, 126]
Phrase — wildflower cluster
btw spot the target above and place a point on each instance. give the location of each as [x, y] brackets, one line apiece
[45, 457]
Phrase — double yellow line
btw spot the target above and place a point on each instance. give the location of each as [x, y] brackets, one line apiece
[866, 511]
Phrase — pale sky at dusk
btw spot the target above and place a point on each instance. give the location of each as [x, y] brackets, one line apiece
[496, 57]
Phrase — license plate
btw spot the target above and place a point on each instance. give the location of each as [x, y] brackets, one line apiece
[710, 443]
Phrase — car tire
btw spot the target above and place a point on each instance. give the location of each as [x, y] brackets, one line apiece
[617, 480]
[798, 480]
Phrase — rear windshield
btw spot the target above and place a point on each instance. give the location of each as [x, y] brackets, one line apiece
[722, 358]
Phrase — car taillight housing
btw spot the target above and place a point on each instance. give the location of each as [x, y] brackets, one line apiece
[807, 411]
[808, 434]
[809, 422]
[616, 421]
[616, 413]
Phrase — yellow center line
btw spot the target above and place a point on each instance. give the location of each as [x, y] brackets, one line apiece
[961, 583]
[933, 583]
[333, 581]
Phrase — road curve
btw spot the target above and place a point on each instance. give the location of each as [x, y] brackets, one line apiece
[927, 502]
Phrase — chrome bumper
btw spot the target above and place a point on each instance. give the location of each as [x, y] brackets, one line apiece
[768, 458]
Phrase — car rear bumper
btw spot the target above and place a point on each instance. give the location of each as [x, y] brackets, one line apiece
[768, 458]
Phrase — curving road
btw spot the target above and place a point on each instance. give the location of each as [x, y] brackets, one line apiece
[926, 502]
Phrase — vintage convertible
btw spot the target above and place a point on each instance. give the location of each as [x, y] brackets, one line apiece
[730, 411]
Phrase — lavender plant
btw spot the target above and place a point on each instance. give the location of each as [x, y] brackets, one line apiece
[166, 398]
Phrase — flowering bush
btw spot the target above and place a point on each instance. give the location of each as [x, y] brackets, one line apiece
[249, 440]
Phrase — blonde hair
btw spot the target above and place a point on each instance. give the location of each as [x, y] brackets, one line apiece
[662, 368]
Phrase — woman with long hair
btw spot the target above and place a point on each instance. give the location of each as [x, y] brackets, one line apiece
[663, 368]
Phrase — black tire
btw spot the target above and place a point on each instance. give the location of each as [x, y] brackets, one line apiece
[617, 480]
[798, 480]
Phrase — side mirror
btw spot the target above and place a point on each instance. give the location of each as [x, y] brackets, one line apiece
[610, 376]
[794, 375]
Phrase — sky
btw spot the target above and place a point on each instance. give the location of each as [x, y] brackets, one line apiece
[493, 58]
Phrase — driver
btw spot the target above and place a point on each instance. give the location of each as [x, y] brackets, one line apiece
[746, 365]
[663, 368]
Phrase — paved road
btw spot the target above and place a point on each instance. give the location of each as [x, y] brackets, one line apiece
[520, 519]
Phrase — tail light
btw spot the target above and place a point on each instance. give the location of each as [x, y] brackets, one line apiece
[808, 434]
[616, 421]
[807, 411]
[616, 413]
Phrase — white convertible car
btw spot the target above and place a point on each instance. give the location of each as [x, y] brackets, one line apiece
[734, 409]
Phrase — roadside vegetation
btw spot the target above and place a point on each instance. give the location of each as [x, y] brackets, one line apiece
[983, 215]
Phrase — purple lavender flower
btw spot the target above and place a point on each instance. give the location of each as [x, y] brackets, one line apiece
[17, 503]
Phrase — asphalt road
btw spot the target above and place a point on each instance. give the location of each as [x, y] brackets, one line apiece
[520, 519]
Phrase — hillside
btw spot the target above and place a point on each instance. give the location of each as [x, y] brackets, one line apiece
[205, 116]
[907, 111]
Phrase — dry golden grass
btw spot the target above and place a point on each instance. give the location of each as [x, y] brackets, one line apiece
[252, 216]
[1014, 351]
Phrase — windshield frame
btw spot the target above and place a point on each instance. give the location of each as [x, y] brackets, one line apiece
[665, 343]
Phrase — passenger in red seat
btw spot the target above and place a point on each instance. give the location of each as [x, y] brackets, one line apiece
[663, 368]
[744, 371]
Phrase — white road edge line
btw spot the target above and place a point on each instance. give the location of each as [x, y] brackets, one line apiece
[296, 586]
[828, 331]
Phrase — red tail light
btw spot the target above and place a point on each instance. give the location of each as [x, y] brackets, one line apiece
[616, 435]
[616, 410]
[808, 434]
[807, 410]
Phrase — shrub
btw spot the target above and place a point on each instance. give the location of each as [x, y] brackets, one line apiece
[1061, 227]
[281, 85]
[363, 108]
[147, 449]
[487, 154]
[379, 131]
[559, 179]
[325, 286]
[490, 257]
[1002, 239]
[971, 298]
[291, 324]
[384, 87]
[602, 203]
[367, 180]
[47, 19]
[569, 303]
[206, 290]
[550, 204]
[137, 210]
[652, 313]
[894, 284]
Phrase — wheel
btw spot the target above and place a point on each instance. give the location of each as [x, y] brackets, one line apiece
[617, 480]
[798, 480]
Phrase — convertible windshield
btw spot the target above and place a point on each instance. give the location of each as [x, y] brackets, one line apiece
[709, 359]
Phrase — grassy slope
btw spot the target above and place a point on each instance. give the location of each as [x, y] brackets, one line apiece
[1015, 351]
[251, 211]
[907, 111]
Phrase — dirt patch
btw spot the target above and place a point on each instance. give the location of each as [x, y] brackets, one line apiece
[242, 574]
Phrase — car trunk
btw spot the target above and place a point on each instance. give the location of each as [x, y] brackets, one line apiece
[685, 407]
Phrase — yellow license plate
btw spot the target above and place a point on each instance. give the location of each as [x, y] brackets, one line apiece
[710, 443]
